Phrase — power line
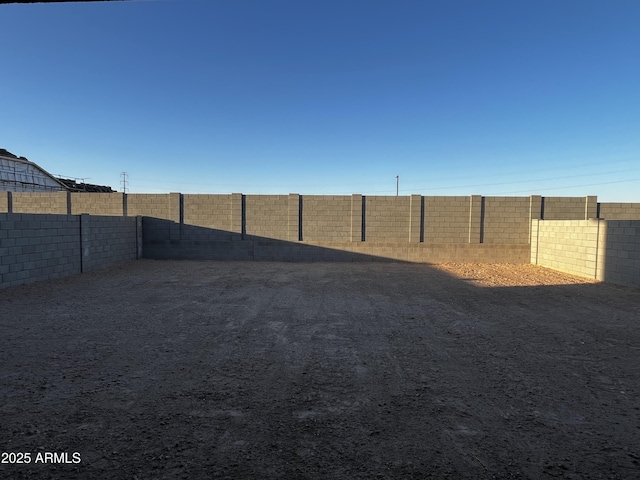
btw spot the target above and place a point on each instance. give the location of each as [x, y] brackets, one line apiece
[351, 187]
[527, 181]
[574, 186]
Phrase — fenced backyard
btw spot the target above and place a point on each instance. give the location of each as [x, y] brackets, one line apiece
[185, 369]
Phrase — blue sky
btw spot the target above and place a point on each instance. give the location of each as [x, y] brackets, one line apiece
[328, 97]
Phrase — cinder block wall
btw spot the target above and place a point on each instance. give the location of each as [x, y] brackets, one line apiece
[166, 206]
[446, 219]
[215, 214]
[210, 211]
[413, 228]
[619, 246]
[386, 219]
[568, 246]
[165, 239]
[326, 218]
[569, 208]
[506, 220]
[267, 216]
[535, 228]
[620, 211]
[111, 204]
[607, 250]
[107, 240]
[36, 247]
[41, 202]
[4, 202]
[376, 251]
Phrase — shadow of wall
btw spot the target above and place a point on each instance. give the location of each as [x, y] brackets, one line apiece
[35, 247]
[619, 252]
[165, 239]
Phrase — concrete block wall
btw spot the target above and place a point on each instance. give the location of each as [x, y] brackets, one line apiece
[4, 202]
[41, 202]
[533, 250]
[607, 250]
[156, 237]
[211, 211]
[165, 239]
[619, 211]
[267, 216]
[440, 219]
[294, 212]
[438, 253]
[198, 246]
[476, 223]
[111, 204]
[416, 214]
[506, 220]
[383, 224]
[568, 246]
[36, 247]
[446, 219]
[387, 227]
[386, 219]
[569, 208]
[107, 240]
[619, 246]
[591, 207]
[326, 218]
[357, 219]
[165, 206]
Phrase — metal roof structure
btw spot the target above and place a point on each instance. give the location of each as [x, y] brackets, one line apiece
[18, 174]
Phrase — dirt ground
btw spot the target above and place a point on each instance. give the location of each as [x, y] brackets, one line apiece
[216, 370]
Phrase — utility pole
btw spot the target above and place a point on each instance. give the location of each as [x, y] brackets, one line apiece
[397, 183]
[124, 181]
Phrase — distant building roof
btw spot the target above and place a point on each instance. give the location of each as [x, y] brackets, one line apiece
[74, 186]
[17, 174]
[6, 153]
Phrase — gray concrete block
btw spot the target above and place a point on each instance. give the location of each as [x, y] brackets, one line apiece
[9, 277]
[16, 267]
[8, 260]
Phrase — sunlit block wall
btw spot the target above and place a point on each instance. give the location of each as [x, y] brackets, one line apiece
[329, 218]
[569, 246]
[210, 211]
[506, 219]
[162, 206]
[387, 219]
[268, 216]
[446, 219]
[49, 202]
[607, 250]
[111, 204]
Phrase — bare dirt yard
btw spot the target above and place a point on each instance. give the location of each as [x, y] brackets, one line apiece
[231, 370]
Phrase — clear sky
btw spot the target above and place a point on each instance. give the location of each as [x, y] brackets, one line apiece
[455, 97]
